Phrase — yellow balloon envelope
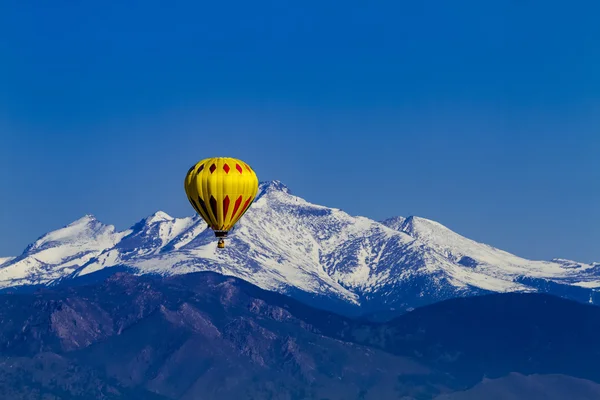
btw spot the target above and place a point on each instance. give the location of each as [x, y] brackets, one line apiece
[221, 190]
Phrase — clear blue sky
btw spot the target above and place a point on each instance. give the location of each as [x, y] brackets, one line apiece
[482, 115]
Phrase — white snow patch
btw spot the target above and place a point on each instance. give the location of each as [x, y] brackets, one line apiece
[4, 260]
[588, 284]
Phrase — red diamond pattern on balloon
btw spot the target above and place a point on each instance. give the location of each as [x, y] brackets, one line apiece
[226, 168]
[239, 168]
[212, 168]
[236, 206]
[225, 206]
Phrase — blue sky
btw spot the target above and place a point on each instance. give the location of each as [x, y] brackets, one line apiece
[484, 116]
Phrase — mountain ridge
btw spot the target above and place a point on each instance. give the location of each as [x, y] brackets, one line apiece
[289, 245]
[206, 335]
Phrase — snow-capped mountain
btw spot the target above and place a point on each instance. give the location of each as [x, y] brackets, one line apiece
[59, 253]
[286, 244]
[492, 261]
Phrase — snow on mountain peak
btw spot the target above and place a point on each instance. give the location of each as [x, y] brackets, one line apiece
[60, 252]
[273, 185]
[84, 229]
[287, 244]
[394, 223]
[487, 259]
[158, 216]
[87, 218]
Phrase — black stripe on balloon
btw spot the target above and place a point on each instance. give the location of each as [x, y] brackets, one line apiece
[213, 206]
[202, 214]
[203, 207]
[193, 203]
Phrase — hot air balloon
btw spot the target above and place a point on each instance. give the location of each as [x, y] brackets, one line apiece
[221, 189]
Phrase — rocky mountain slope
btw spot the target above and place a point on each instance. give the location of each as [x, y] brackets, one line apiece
[207, 336]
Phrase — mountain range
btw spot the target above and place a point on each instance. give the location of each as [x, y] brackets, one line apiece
[207, 336]
[322, 256]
